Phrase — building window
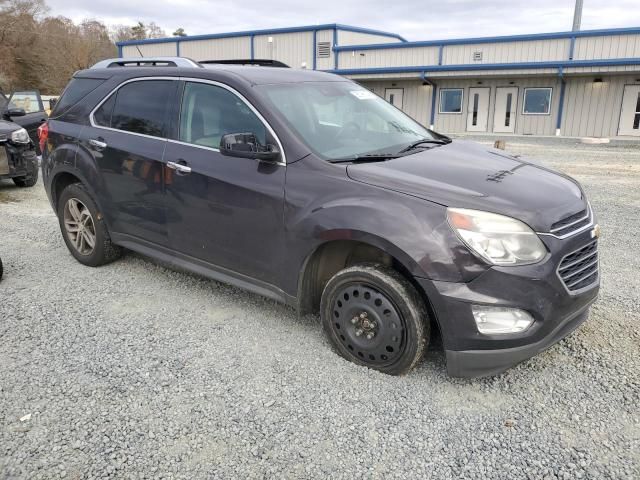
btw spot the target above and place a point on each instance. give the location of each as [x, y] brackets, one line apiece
[537, 101]
[451, 100]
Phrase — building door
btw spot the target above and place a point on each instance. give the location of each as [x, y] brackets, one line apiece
[504, 117]
[478, 109]
[394, 96]
[630, 115]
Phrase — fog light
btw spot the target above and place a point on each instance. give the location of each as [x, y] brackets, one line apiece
[496, 320]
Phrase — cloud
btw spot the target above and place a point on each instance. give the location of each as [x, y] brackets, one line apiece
[414, 19]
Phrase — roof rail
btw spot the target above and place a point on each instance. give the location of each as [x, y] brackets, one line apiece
[242, 61]
[147, 62]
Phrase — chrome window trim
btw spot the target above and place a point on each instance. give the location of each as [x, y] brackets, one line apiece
[282, 162]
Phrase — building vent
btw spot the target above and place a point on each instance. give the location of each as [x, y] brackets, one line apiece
[324, 49]
[477, 56]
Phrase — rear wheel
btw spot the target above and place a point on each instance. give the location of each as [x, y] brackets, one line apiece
[83, 227]
[374, 317]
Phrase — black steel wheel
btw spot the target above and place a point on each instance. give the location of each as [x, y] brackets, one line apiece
[374, 317]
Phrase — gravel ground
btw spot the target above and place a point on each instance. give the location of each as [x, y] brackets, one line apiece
[134, 370]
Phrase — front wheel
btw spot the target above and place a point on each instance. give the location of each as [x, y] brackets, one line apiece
[28, 180]
[374, 317]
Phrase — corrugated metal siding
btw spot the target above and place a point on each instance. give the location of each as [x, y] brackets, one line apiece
[593, 109]
[357, 38]
[150, 50]
[507, 52]
[615, 46]
[217, 49]
[416, 98]
[290, 48]
[325, 63]
[391, 57]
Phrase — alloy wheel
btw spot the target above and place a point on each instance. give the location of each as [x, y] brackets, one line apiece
[79, 226]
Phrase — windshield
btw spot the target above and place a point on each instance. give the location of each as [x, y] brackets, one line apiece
[343, 120]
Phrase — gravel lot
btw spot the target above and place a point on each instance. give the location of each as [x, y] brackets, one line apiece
[136, 370]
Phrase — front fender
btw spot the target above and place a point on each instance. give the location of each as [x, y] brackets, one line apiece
[324, 204]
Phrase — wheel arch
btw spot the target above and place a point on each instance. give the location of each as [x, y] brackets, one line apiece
[343, 251]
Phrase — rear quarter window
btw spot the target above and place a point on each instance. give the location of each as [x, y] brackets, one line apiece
[76, 90]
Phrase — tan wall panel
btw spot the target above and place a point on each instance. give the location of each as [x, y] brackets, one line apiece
[290, 48]
[357, 38]
[217, 49]
[150, 50]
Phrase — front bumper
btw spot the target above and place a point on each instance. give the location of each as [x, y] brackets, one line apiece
[537, 289]
[20, 160]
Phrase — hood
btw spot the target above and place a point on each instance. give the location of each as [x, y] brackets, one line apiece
[6, 128]
[469, 175]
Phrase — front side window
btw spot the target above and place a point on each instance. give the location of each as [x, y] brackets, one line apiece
[28, 101]
[138, 107]
[208, 112]
[342, 119]
[537, 101]
[451, 100]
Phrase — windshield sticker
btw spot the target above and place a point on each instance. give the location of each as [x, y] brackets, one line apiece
[362, 94]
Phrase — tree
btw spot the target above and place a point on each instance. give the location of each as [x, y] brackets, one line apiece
[179, 33]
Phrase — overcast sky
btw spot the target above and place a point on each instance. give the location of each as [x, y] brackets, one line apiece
[413, 19]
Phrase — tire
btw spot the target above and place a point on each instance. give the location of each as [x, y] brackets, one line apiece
[1, 269]
[28, 180]
[102, 251]
[374, 317]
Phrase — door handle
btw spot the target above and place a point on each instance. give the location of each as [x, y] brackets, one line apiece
[97, 144]
[178, 167]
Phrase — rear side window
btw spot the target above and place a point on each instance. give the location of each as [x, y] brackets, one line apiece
[138, 107]
[76, 90]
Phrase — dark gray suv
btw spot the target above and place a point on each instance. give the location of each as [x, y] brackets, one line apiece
[307, 188]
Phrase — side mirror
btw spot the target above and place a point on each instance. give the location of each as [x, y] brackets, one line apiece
[13, 112]
[246, 145]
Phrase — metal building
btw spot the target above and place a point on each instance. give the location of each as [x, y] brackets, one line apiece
[580, 83]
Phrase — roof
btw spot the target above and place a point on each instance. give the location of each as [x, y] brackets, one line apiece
[250, 74]
[269, 31]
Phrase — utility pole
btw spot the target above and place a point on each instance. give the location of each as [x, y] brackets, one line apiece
[577, 16]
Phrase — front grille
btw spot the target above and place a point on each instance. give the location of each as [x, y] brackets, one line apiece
[571, 224]
[580, 268]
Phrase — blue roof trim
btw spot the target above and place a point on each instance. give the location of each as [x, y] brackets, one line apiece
[509, 38]
[490, 66]
[270, 31]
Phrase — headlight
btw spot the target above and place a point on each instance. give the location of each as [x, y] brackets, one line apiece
[497, 239]
[20, 136]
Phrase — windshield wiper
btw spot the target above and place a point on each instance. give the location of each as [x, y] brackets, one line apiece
[374, 157]
[415, 145]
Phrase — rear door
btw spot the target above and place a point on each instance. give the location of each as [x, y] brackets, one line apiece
[127, 139]
[31, 103]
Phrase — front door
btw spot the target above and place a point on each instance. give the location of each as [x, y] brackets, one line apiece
[127, 139]
[33, 107]
[478, 109]
[504, 117]
[225, 211]
[630, 115]
[394, 96]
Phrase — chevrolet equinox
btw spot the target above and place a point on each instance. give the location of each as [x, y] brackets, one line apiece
[309, 189]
